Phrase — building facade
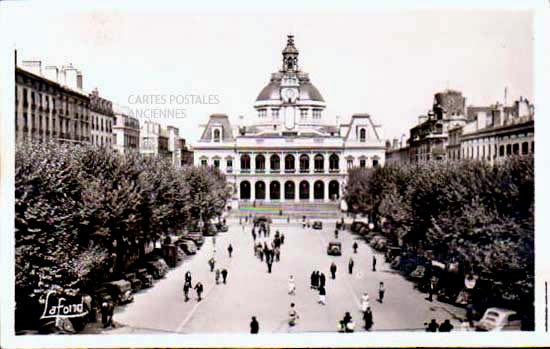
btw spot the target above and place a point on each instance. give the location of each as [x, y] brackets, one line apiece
[50, 108]
[498, 133]
[290, 153]
[126, 131]
[102, 118]
[156, 140]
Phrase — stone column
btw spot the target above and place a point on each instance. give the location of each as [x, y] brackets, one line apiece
[252, 190]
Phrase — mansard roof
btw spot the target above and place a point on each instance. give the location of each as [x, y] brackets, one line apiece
[218, 120]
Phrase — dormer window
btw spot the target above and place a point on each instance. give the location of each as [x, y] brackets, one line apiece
[363, 135]
[275, 113]
[217, 134]
[262, 113]
[303, 114]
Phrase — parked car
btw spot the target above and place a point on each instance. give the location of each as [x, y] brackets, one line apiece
[391, 253]
[157, 268]
[499, 319]
[145, 277]
[120, 291]
[134, 281]
[355, 226]
[197, 238]
[318, 225]
[334, 248]
[189, 247]
[223, 228]
[418, 273]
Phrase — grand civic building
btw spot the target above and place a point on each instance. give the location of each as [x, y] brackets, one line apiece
[290, 152]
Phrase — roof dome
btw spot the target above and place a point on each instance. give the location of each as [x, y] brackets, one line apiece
[272, 91]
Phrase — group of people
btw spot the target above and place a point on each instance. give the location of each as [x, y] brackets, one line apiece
[270, 252]
[318, 281]
[445, 326]
[187, 286]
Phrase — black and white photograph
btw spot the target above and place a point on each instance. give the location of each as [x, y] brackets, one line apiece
[278, 175]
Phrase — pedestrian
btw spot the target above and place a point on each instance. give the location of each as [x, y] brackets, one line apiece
[254, 326]
[224, 275]
[282, 239]
[199, 289]
[446, 326]
[333, 270]
[381, 291]
[355, 247]
[217, 276]
[106, 317]
[291, 285]
[253, 235]
[322, 279]
[269, 264]
[292, 315]
[230, 250]
[261, 253]
[364, 302]
[316, 280]
[277, 254]
[431, 289]
[347, 322]
[186, 287]
[367, 316]
[212, 263]
[188, 277]
[350, 265]
[312, 279]
[322, 295]
[373, 263]
[336, 234]
[432, 326]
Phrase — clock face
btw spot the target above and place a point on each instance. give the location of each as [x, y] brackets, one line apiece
[290, 94]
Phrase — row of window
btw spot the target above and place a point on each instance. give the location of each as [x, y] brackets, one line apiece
[288, 190]
[275, 163]
[500, 151]
[43, 101]
[101, 140]
[42, 123]
[316, 113]
[101, 125]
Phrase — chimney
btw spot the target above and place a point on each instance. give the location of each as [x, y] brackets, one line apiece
[52, 73]
[34, 66]
[395, 143]
[79, 80]
[70, 76]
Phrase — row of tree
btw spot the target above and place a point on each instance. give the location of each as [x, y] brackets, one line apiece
[82, 210]
[469, 212]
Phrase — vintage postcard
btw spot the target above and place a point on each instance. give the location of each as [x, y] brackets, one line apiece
[207, 175]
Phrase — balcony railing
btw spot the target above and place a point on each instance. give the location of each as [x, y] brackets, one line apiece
[260, 170]
[319, 170]
[245, 170]
[334, 170]
[290, 170]
[304, 170]
[275, 170]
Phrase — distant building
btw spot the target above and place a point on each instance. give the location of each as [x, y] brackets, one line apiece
[290, 153]
[160, 141]
[126, 131]
[102, 118]
[50, 104]
[186, 153]
[397, 151]
[496, 133]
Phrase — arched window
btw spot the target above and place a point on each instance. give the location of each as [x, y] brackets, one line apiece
[217, 135]
[245, 162]
[260, 162]
[275, 162]
[304, 163]
[363, 135]
[319, 163]
[289, 162]
[334, 162]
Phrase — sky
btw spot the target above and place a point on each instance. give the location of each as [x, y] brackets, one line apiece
[387, 63]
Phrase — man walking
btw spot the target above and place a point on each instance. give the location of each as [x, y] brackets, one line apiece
[322, 279]
[269, 262]
[350, 265]
[199, 289]
[355, 247]
[333, 270]
[224, 275]
[212, 263]
[431, 289]
[217, 276]
[367, 316]
[373, 263]
[188, 277]
[186, 287]
[230, 250]
[254, 326]
[381, 291]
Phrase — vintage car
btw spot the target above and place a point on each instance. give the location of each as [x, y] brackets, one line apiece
[188, 246]
[134, 281]
[196, 236]
[317, 225]
[499, 319]
[418, 273]
[157, 268]
[120, 291]
[145, 277]
[391, 253]
[334, 248]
